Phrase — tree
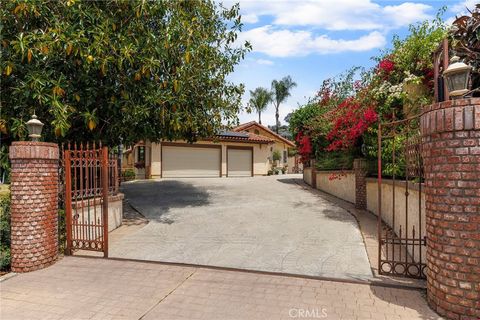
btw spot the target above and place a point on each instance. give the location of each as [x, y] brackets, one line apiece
[259, 99]
[281, 91]
[119, 70]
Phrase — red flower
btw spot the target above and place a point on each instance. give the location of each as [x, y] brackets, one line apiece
[386, 65]
[350, 121]
[304, 145]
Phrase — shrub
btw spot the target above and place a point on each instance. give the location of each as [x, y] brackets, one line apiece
[129, 174]
[5, 232]
[62, 231]
[276, 155]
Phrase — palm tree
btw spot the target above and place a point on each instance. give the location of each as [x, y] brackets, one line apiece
[259, 99]
[281, 91]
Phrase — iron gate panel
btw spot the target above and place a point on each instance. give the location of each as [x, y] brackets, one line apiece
[86, 197]
[402, 240]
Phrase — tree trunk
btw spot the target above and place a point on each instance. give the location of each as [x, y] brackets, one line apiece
[259, 117]
[277, 123]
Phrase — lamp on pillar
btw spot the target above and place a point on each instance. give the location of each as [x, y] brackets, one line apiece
[34, 127]
[457, 76]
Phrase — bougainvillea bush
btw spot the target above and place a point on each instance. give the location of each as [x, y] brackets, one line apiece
[343, 117]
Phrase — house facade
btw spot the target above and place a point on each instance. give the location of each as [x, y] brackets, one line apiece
[245, 151]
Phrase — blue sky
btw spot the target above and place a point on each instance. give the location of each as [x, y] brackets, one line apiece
[312, 40]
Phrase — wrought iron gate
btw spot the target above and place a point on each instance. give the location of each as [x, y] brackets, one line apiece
[401, 229]
[90, 176]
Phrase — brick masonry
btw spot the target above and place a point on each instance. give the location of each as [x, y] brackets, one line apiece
[34, 206]
[360, 168]
[451, 152]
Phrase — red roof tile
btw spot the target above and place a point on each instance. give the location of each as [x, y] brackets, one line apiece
[250, 124]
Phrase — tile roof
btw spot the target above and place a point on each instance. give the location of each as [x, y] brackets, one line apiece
[243, 137]
[250, 124]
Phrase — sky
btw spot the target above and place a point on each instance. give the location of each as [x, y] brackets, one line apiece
[312, 40]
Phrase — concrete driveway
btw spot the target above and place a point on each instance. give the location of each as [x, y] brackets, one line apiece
[264, 223]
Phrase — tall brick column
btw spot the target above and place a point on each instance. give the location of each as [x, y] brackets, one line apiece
[451, 151]
[360, 168]
[34, 191]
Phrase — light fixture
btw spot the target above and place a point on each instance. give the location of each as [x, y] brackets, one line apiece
[456, 76]
[34, 127]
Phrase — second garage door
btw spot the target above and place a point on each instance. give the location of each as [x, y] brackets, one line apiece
[239, 162]
[189, 161]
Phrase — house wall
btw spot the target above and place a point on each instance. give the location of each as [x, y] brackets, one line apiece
[278, 145]
[260, 157]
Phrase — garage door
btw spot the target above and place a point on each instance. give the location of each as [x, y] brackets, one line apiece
[189, 161]
[239, 162]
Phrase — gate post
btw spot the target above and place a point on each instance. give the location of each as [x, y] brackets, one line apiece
[451, 154]
[360, 169]
[34, 205]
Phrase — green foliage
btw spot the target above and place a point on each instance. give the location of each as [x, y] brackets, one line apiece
[129, 174]
[112, 70]
[465, 39]
[4, 165]
[335, 161]
[259, 100]
[276, 156]
[414, 53]
[5, 235]
[62, 231]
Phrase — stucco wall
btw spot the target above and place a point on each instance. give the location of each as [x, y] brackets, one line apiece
[343, 186]
[307, 176]
[400, 207]
[260, 157]
[90, 210]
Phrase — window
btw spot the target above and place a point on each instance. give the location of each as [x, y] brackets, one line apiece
[285, 156]
[256, 131]
[141, 154]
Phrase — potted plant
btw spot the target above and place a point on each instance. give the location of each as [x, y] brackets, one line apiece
[276, 156]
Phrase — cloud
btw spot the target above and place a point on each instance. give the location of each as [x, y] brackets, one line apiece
[461, 7]
[249, 18]
[335, 14]
[277, 42]
[264, 62]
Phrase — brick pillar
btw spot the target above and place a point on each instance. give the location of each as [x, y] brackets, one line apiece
[451, 151]
[34, 192]
[360, 168]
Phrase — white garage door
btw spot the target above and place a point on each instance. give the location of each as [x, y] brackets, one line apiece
[239, 162]
[181, 161]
